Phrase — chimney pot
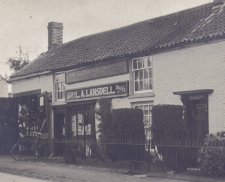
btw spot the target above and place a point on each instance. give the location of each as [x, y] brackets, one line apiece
[55, 34]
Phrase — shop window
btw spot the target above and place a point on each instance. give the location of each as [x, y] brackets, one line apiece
[142, 74]
[60, 86]
[79, 125]
[147, 116]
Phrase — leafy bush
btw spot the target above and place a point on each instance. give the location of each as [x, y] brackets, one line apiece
[128, 123]
[212, 155]
[119, 129]
[105, 113]
[169, 131]
[128, 138]
[168, 123]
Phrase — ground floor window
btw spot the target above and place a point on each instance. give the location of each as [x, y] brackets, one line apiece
[147, 116]
[79, 125]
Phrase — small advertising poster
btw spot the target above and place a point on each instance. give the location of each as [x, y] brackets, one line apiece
[74, 126]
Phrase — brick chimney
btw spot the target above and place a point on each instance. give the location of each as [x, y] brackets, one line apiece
[55, 34]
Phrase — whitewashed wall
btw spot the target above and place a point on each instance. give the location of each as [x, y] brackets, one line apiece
[200, 67]
[43, 82]
[3, 88]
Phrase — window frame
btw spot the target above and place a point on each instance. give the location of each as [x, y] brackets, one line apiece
[142, 105]
[62, 91]
[144, 68]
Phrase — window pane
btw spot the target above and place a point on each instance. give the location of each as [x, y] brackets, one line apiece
[146, 121]
[136, 75]
[146, 84]
[149, 62]
[135, 64]
[146, 73]
[141, 73]
[60, 86]
[145, 62]
[150, 121]
[141, 85]
[140, 63]
[150, 84]
[136, 86]
[146, 109]
[150, 72]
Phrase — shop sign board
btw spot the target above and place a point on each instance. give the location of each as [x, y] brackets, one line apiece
[103, 91]
[98, 71]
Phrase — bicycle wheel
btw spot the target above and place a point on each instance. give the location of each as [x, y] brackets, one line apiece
[22, 151]
[16, 152]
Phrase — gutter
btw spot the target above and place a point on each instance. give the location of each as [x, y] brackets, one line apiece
[28, 76]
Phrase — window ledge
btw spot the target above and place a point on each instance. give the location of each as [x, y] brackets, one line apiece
[62, 102]
[140, 95]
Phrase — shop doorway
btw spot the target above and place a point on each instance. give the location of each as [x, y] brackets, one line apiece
[82, 126]
[59, 133]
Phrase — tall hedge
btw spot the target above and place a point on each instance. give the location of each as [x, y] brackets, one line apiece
[120, 131]
[105, 113]
[169, 131]
[168, 122]
[128, 123]
[127, 142]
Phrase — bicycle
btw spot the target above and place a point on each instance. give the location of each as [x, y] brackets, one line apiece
[31, 148]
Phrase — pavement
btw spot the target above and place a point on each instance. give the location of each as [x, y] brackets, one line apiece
[15, 178]
[59, 172]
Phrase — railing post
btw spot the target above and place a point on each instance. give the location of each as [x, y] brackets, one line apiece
[149, 157]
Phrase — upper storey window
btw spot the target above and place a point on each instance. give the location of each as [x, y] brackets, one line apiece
[142, 74]
[60, 86]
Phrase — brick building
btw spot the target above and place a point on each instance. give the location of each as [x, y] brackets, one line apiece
[174, 59]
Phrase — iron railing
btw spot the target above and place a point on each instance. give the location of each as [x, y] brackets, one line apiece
[136, 155]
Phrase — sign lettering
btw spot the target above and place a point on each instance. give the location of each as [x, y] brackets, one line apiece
[104, 91]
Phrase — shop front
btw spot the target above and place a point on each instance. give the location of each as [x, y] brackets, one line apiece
[77, 118]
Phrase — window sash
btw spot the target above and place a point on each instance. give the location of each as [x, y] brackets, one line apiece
[142, 74]
[60, 86]
[147, 113]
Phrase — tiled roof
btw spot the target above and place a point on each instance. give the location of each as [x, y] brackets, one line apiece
[185, 27]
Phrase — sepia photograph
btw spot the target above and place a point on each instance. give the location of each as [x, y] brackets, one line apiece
[112, 90]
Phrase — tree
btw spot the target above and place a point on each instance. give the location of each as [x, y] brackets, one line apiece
[18, 62]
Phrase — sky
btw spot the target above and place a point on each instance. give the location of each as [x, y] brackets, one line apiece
[24, 22]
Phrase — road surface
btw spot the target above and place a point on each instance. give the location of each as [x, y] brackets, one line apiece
[53, 172]
[5, 177]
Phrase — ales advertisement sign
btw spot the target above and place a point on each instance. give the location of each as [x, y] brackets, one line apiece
[104, 91]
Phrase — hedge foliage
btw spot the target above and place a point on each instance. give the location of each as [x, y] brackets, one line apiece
[169, 130]
[212, 155]
[168, 122]
[118, 129]
[128, 123]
